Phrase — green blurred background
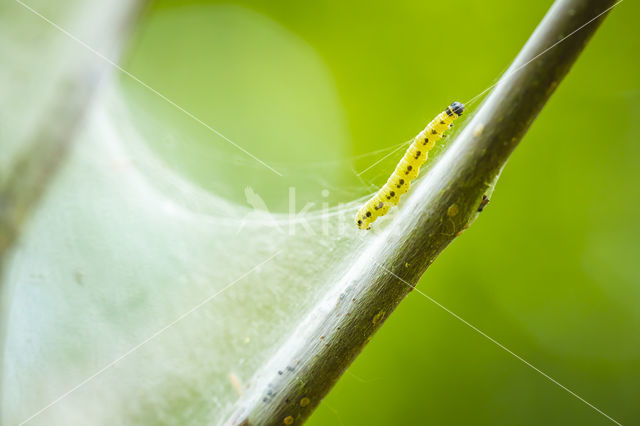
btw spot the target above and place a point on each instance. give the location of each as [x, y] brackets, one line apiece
[550, 270]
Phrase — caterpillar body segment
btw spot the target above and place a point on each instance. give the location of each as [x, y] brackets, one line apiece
[408, 167]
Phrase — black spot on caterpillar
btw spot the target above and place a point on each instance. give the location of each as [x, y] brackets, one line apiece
[408, 167]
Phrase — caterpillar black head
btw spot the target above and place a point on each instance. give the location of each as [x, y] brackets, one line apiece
[455, 108]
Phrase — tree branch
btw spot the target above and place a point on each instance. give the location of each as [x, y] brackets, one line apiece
[47, 144]
[33, 168]
[305, 368]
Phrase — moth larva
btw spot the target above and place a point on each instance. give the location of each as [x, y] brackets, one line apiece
[408, 167]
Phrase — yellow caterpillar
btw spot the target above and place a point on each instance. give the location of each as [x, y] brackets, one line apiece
[408, 168]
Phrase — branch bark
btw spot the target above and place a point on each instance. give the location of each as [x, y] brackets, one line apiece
[440, 207]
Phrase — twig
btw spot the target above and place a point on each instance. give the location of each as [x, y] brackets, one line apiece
[292, 384]
[47, 144]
